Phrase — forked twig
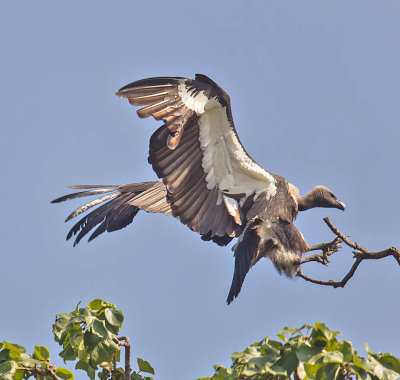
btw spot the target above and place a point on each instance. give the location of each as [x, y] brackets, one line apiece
[47, 372]
[360, 254]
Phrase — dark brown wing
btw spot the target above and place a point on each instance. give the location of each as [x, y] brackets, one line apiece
[181, 169]
[197, 153]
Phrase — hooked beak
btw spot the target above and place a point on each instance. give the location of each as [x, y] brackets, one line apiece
[341, 205]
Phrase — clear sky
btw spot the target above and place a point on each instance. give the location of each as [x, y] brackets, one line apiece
[315, 97]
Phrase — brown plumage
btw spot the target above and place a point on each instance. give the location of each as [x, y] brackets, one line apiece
[208, 180]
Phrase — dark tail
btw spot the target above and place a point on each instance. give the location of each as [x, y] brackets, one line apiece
[118, 206]
[246, 255]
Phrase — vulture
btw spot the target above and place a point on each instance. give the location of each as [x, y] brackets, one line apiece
[207, 180]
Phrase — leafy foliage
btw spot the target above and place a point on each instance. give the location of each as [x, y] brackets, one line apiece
[308, 352]
[16, 364]
[88, 335]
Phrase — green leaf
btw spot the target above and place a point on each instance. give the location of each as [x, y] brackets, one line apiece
[362, 375]
[262, 362]
[277, 346]
[99, 328]
[81, 365]
[312, 369]
[103, 352]
[27, 361]
[145, 366]
[222, 374]
[99, 304]
[114, 330]
[114, 317]
[316, 358]
[333, 357]
[278, 370]
[90, 340]
[8, 368]
[41, 353]
[382, 372]
[388, 360]
[328, 333]
[64, 373]
[281, 336]
[289, 362]
[346, 349]
[360, 362]
[288, 330]
[305, 351]
[86, 367]
[15, 345]
[19, 374]
[136, 376]
[68, 353]
[328, 372]
[11, 351]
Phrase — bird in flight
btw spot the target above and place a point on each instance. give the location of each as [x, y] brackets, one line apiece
[208, 180]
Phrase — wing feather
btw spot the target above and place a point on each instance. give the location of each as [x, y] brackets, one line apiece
[197, 152]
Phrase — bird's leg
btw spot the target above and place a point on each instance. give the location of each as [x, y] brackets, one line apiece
[327, 249]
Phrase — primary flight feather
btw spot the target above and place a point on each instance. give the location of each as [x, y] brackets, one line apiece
[208, 180]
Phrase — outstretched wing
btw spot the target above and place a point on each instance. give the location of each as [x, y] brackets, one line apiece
[197, 153]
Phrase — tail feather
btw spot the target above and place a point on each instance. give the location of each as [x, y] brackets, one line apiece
[246, 255]
[124, 202]
[81, 194]
[91, 204]
[109, 215]
[92, 186]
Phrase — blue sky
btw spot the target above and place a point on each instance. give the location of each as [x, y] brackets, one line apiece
[314, 88]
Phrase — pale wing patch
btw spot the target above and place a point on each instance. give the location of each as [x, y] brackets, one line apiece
[224, 159]
[192, 99]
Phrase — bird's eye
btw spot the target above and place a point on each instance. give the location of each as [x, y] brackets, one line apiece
[332, 195]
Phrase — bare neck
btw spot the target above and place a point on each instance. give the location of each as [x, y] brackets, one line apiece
[306, 202]
[311, 199]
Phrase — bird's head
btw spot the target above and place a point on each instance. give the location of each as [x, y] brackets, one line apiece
[320, 196]
[323, 197]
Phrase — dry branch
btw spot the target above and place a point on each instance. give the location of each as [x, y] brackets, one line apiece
[124, 341]
[328, 249]
[48, 371]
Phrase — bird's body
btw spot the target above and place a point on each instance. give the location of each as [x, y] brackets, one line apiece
[208, 181]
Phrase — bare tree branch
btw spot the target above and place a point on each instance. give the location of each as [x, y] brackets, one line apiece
[328, 249]
[124, 341]
[48, 371]
[297, 374]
